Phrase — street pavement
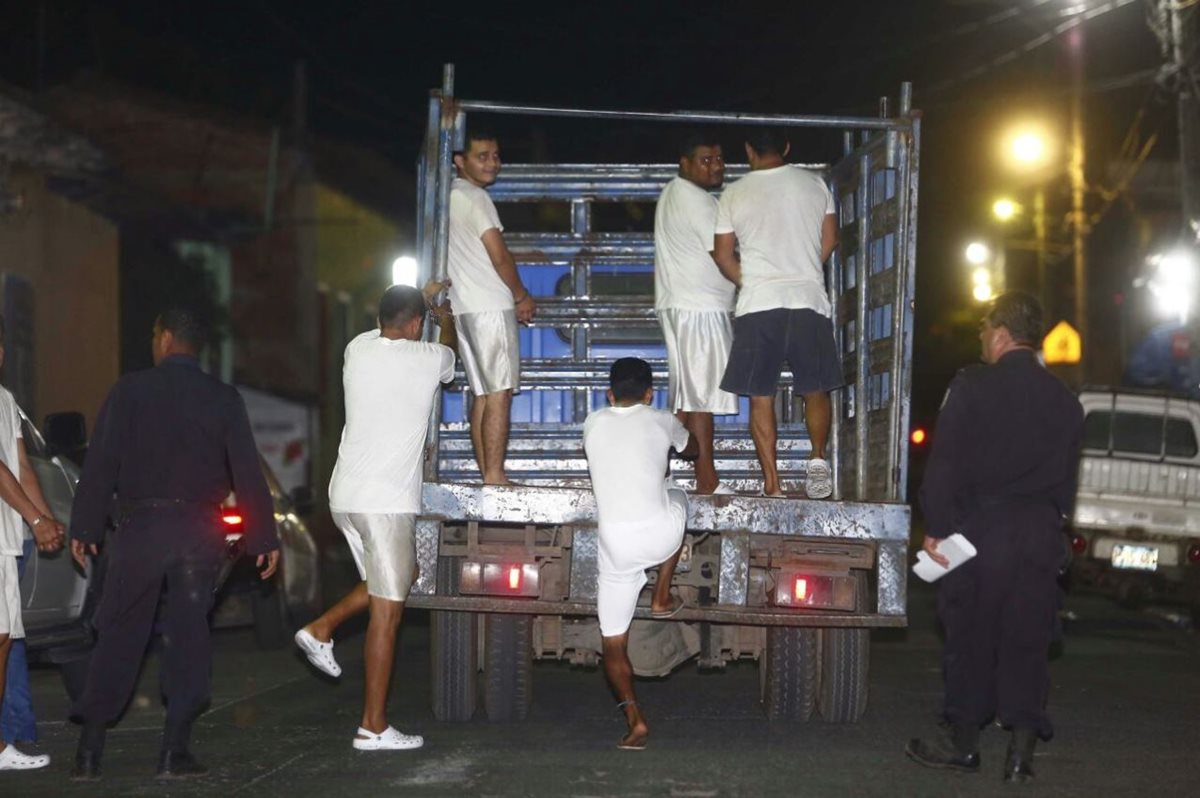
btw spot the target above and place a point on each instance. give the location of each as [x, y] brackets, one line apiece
[1125, 701]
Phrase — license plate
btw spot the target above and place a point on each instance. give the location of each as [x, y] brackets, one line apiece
[1135, 558]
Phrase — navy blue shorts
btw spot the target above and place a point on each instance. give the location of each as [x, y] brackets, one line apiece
[763, 341]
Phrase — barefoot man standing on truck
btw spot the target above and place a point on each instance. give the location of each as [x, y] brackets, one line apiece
[783, 221]
[641, 519]
[489, 300]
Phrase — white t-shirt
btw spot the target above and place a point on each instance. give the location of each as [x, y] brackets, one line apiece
[12, 526]
[685, 275]
[777, 216]
[390, 387]
[627, 450]
[475, 286]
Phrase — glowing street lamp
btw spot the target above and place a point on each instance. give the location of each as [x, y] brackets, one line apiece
[1005, 209]
[1173, 282]
[977, 253]
[404, 271]
[1027, 148]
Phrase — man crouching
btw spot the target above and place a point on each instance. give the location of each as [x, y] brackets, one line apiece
[641, 519]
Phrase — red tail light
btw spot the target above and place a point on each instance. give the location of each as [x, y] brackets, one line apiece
[232, 518]
[919, 436]
[514, 577]
[801, 589]
[1079, 543]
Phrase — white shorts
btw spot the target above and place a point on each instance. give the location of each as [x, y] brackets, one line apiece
[626, 551]
[490, 350]
[698, 344]
[10, 598]
[384, 546]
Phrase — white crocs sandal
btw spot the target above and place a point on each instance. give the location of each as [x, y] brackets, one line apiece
[318, 653]
[12, 759]
[387, 740]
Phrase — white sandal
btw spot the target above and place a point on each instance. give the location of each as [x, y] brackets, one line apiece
[12, 759]
[387, 740]
[318, 653]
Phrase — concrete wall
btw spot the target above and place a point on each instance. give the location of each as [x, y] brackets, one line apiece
[70, 257]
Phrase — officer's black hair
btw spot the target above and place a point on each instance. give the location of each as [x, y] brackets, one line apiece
[695, 139]
[629, 379]
[399, 305]
[767, 140]
[1021, 314]
[189, 325]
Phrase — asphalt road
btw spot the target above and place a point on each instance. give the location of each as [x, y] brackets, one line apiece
[1125, 701]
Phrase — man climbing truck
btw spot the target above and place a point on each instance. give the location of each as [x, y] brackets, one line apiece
[796, 584]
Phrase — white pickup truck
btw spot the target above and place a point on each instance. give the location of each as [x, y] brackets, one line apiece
[1136, 531]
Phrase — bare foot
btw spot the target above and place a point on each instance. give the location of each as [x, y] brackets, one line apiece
[666, 608]
[321, 635]
[501, 480]
[636, 739]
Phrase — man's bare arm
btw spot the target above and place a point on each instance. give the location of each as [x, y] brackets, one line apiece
[29, 481]
[46, 531]
[506, 267]
[724, 253]
[829, 236]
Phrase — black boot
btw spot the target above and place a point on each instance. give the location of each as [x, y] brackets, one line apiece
[954, 748]
[179, 765]
[1018, 763]
[87, 755]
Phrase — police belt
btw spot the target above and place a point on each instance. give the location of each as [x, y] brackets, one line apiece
[128, 506]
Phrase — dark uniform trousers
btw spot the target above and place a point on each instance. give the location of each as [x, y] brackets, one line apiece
[998, 611]
[182, 548]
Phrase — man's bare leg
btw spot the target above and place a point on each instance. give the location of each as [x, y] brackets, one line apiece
[495, 436]
[619, 672]
[353, 603]
[379, 654]
[764, 433]
[478, 404]
[660, 601]
[701, 425]
[818, 416]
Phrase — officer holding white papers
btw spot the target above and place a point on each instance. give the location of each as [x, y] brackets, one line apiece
[1002, 472]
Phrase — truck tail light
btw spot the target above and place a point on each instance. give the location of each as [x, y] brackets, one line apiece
[794, 589]
[1079, 543]
[506, 579]
[1194, 553]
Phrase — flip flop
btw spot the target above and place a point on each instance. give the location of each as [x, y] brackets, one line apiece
[637, 747]
[676, 606]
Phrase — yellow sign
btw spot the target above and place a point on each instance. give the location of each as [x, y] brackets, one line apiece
[1062, 345]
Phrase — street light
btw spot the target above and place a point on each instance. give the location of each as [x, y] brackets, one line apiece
[1173, 282]
[1005, 209]
[1027, 147]
[404, 271]
[977, 253]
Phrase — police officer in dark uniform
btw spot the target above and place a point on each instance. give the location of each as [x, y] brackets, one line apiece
[170, 444]
[1002, 472]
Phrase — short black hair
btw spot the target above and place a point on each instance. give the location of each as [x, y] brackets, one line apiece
[190, 326]
[630, 378]
[694, 139]
[1021, 314]
[767, 140]
[477, 134]
[399, 305]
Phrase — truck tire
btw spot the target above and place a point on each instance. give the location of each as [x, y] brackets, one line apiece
[507, 666]
[452, 648]
[788, 673]
[845, 665]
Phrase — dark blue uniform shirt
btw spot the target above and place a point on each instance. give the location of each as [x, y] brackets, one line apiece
[1008, 433]
[173, 432]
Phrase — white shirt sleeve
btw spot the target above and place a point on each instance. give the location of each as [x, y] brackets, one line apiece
[704, 222]
[447, 372]
[483, 214]
[830, 206]
[676, 431]
[16, 416]
[724, 215]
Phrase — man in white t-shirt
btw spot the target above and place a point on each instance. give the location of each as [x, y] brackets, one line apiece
[391, 379]
[21, 502]
[693, 299]
[641, 519]
[775, 228]
[489, 300]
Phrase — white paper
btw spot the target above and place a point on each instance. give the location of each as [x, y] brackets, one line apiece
[956, 548]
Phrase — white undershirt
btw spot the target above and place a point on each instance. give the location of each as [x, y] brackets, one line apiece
[475, 286]
[685, 275]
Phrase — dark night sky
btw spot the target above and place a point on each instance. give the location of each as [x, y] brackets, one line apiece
[370, 66]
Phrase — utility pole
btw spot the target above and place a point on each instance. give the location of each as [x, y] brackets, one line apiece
[1178, 20]
[1079, 223]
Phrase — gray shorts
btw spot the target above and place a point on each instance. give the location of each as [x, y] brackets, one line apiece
[490, 350]
[763, 341]
[10, 598]
[698, 343]
[384, 546]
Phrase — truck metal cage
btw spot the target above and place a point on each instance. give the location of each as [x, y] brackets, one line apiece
[583, 323]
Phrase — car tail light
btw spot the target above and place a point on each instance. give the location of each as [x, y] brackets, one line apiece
[499, 579]
[1079, 543]
[233, 524]
[1194, 553]
[807, 590]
